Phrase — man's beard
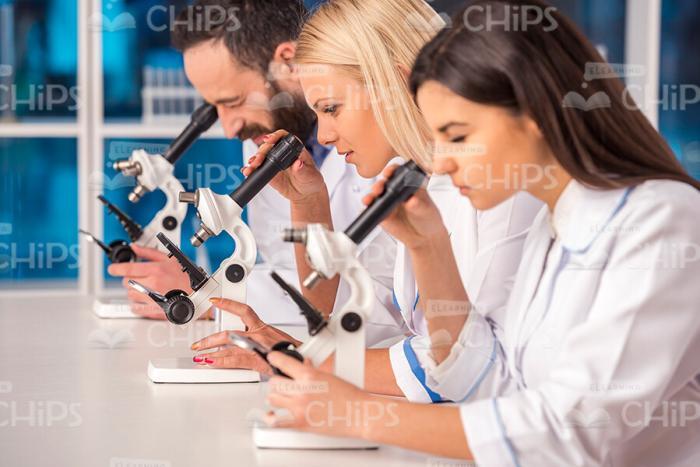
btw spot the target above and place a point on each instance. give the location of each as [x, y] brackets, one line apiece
[289, 112]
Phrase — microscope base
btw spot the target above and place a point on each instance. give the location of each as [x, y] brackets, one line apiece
[183, 370]
[113, 308]
[283, 438]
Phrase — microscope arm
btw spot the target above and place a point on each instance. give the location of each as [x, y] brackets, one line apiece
[169, 219]
[334, 253]
[230, 279]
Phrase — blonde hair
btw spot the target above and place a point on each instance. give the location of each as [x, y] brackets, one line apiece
[376, 42]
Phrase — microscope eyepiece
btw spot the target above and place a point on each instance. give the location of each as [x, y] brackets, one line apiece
[202, 119]
[403, 183]
[280, 158]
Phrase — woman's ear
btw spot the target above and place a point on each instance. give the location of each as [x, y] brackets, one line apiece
[404, 70]
[531, 126]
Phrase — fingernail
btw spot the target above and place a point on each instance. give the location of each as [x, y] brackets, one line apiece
[208, 361]
[251, 159]
[197, 359]
[195, 346]
[215, 300]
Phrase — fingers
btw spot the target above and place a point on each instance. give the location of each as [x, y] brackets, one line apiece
[234, 358]
[215, 340]
[269, 142]
[289, 365]
[228, 351]
[257, 160]
[419, 202]
[131, 270]
[150, 254]
[376, 190]
[248, 316]
[283, 419]
[389, 170]
[137, 297]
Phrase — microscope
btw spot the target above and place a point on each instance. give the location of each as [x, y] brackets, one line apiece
[152, 172]
[218, 213]
[343, 334]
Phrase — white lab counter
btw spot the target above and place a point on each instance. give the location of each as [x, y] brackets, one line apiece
[74, 392]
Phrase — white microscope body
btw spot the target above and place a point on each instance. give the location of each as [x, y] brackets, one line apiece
[218, 213]
[330, 253]
[153, 172]
[156, 172]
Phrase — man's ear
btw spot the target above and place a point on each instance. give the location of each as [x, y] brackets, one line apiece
[404, 70]
[285, 53]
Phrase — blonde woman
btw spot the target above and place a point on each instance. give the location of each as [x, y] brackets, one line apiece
[359, 91]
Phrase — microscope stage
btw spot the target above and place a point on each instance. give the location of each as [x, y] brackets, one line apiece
[284, 438]
[184, 370]
[113, 308]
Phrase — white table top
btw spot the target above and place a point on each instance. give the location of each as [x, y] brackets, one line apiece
[74, 392]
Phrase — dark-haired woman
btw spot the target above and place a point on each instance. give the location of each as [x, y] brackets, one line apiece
[596, 362]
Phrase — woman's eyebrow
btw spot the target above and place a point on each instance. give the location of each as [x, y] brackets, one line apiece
[315, 106]
[447, 126]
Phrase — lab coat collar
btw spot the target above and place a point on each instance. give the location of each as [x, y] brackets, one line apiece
[582, 214]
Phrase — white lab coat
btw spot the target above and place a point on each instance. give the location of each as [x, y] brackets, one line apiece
[597, 363]
[487, 246]
[269, 215]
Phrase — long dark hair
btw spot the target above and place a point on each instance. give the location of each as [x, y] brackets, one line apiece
[530, 70]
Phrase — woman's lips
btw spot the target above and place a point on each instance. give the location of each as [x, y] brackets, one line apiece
[348, 155]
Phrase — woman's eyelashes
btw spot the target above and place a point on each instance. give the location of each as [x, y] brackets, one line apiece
[330, 109]
[458, 139]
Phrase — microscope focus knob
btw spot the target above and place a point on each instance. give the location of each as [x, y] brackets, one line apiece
[120, 252]
[169, 223]
[180, 309]
[235, 273]
[351, 321]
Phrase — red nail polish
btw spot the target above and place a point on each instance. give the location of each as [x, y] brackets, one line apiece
[208, 361]
[197, 359]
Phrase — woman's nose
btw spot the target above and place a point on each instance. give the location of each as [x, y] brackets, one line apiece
[326, 135]
[443, 165]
